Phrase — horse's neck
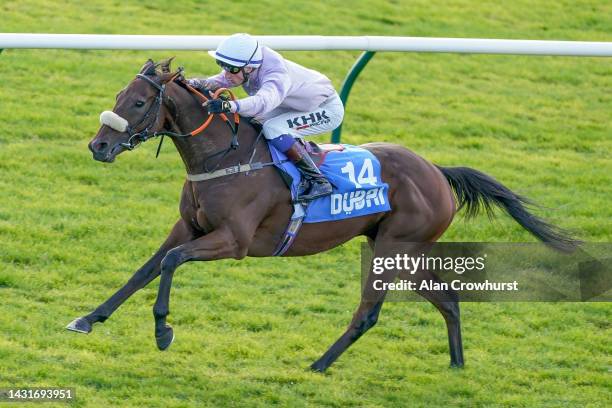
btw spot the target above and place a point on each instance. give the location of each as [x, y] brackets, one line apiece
[196, 151]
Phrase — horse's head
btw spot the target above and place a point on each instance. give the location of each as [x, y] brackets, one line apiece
[139, 112]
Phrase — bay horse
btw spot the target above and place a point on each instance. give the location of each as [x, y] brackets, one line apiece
[245, 214]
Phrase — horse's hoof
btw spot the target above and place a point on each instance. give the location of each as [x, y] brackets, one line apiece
[165, 340]
[456, 365]
[318, 367]
[80, 325]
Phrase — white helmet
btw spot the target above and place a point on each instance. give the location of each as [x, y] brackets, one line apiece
[239, 50]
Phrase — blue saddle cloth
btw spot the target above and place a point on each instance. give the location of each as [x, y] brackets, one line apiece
[355, 175]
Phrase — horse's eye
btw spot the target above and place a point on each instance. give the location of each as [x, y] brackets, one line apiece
[139, 104]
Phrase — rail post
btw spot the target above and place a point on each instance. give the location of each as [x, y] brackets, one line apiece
[350, 79]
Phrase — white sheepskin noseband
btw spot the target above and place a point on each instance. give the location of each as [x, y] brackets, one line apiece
[113, 121]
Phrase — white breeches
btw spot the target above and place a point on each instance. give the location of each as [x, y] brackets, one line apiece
[325, 118]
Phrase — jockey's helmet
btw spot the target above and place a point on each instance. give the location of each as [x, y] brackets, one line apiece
[238, 50]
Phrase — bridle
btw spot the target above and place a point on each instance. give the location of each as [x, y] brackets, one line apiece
[135, 138]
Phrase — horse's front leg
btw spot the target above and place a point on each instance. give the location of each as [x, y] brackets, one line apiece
[180, 234]
[219, 244]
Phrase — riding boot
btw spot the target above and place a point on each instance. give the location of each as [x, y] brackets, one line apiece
[316, 184]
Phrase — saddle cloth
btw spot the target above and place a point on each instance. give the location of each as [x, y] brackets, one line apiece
[354, 173]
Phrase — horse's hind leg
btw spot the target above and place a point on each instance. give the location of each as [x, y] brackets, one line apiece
[364, 318]
[447, 302]
[180, 234]
[366, 315]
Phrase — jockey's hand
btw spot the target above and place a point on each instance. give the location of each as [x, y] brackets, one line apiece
[218, 106]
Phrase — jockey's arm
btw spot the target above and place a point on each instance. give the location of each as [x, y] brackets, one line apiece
[273, 91]
[211, 83]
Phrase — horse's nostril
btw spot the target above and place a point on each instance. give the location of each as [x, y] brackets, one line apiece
[97, 147]
[100, 146]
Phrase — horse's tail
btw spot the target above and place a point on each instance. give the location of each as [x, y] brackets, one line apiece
[476, 191]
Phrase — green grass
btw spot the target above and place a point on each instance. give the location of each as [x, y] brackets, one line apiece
[73, 230]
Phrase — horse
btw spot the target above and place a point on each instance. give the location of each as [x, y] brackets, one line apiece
[245, 213]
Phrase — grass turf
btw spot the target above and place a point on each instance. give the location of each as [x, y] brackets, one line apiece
[72, 230]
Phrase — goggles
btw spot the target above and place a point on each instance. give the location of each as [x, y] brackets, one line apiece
[229, 68]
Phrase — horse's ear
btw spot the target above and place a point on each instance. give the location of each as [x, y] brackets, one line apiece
[165, 65]
[148, 68]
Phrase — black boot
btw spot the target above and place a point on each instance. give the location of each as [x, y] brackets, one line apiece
[316, 184]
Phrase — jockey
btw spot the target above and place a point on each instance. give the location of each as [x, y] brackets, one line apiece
[288, 99]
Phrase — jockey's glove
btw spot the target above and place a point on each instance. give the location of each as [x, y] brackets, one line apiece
[218, 106]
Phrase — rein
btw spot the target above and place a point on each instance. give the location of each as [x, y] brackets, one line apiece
[135, 138]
